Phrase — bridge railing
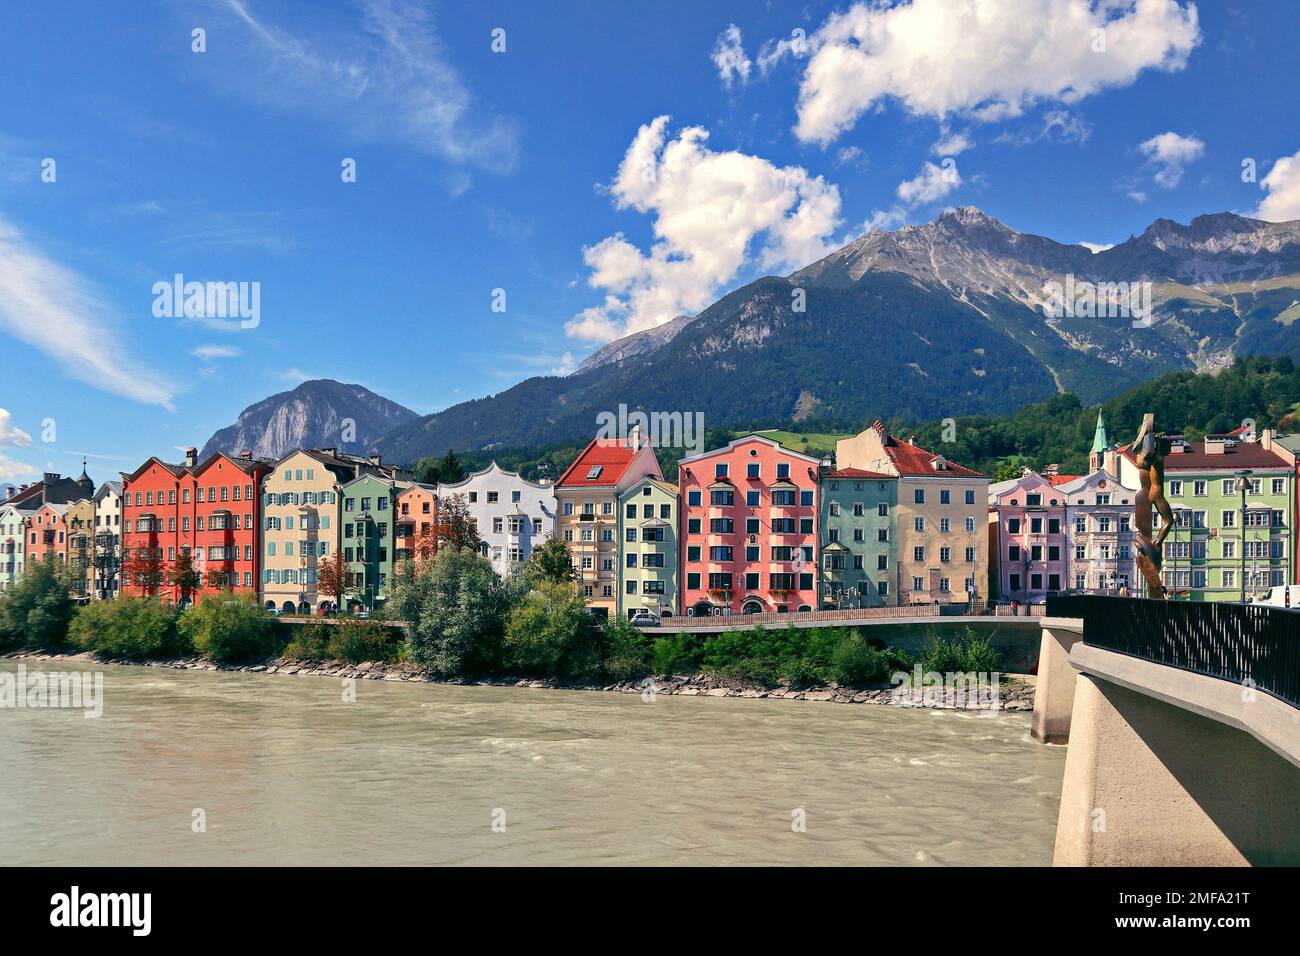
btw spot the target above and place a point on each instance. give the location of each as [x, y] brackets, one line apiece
[851, 615]
[1248, 644]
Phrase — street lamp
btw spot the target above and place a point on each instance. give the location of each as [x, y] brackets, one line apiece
[1242, 484]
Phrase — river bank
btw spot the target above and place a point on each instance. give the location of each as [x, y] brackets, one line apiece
[1015, 693]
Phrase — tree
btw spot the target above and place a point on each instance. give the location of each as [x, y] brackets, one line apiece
[455, 528]
[455, 607]
[35, 611]
[229, 627]
[129, 627]
[445, 470]
[108, 563]
[425, 544]
[551, 561]
[550, 633]
[187, 577]
[142, 567]
[332, 577]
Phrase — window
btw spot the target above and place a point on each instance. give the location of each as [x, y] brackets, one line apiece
[720, 469]
[1278, 486]
[918, 553]
[970, 496]
[782, 469]
[692, 499]
[918, 524]
[753, 470]
[724, 498]
[918, 496]
[1175, 489]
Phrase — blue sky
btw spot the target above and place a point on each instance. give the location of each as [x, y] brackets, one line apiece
[616, 165]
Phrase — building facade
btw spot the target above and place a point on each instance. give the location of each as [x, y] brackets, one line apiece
[108, 541]
[749, 520]
[512, 514]
[369, 539]
[47, 535]
[942, 518]
[417, 523]
[647, 535]
[1233, 501]
[13, 539]
[1027, 518]
[1101, 542]
[586, 501]
[858, 528]
[81, 548]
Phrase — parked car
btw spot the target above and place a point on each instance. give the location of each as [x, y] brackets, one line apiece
[1283, 596]
[644, 619]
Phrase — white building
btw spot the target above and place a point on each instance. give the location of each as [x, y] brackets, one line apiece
[13, 525]
[107, 542]
[512, 514]
[1101, 541]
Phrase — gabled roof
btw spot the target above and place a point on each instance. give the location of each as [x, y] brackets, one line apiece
[497, 468]
[1241, 455]
[664, 486]
[612, 456]
[745, 440]
[176, 470]
[912, 461]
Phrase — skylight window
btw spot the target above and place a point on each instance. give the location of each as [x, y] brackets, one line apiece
[595, 472]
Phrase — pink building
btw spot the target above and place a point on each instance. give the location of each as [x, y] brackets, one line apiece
[1028, 530]
[748, 529]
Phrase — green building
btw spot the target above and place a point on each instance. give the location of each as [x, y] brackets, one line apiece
[647, 548]
[1233, 499]
[859, 516]
[369, 538]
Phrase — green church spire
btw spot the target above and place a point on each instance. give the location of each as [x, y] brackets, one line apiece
[1099, 442]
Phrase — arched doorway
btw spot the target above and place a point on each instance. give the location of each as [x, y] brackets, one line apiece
[805, 607]
[752, 606]
[288, 607]
[270, 605]
[304, 608]
[703, 609]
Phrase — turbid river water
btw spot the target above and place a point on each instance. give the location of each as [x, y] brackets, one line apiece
[285, 772]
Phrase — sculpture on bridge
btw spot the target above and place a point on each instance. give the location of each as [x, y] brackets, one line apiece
[1149, 450]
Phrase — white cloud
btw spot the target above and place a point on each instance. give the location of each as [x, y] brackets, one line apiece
[210, 352]
[389, 80]
[11, 436]
[13, 470]
[715, 213]
[1056, 126]
[1169, 154]
[729, 57]
[53, 309]
[984, 60]
[567, 365]
[1282, 203]
[930, 184]
[952, 144]
[1097, 247]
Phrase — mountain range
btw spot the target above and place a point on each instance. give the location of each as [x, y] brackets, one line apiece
[954, 317]
[320, 413]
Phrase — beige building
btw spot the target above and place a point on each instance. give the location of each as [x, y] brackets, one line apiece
[587, 512]
[300, 524]
[108, 540]
[81, 548]
[942, 540]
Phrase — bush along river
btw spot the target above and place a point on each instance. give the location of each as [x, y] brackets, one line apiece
[198, 765]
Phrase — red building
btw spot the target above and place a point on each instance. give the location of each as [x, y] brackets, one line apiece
[47, 535]
[210, 511]
[748, 529]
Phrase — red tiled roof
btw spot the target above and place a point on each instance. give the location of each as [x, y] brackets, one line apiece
[910, 460]
[1241, 455]
[613, 457]
[855, 473]
[1061, 479]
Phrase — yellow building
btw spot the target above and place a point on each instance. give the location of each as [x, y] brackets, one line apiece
[942, 518]
[587, 512]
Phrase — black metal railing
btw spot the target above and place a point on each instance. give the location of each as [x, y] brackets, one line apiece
[1248, 644]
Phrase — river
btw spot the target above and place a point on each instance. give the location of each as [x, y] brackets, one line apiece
[281, 770]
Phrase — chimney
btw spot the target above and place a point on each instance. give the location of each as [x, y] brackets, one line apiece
[1266, 438]
[329, 451]
[191, 457]
[911, 440]
[375, 459]
[635, 440]
[246, 456]
[1052, 470]
[1110, 461]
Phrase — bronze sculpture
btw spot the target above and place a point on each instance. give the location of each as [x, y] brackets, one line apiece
[1149, 450]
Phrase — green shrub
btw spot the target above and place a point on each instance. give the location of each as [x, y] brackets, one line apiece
[627, 651]
[357, 641]
[675, 654]
[550, 633]
[129, 627]
[230, 627]
[856, 664]
[960, 653]
[310, 642]
[36, 611]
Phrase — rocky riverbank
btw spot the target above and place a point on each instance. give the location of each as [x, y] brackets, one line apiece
[1015, 693]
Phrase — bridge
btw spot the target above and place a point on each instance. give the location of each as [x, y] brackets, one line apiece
[915, 614]
[1183, 725]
